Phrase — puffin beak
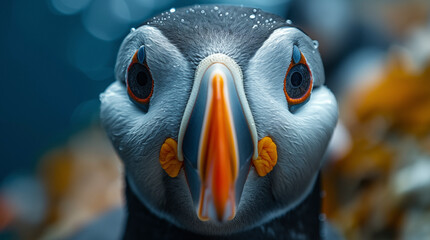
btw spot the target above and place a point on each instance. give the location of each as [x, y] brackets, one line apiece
[217, 146]
[218, 160]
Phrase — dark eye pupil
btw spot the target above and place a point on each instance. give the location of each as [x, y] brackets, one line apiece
[139, 81]
[142, 78]
[296, 79]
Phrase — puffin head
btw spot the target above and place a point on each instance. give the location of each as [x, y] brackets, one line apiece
[220, 116]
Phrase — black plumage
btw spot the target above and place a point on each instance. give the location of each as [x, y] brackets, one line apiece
[200, 31]
[303, 222]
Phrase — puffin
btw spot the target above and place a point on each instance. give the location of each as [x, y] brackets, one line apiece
[221, 119]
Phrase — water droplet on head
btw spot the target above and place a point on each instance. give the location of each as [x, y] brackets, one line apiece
[196, 26]
[252, 16]
[270, 19]
[172, 10]
[216, 8]
[255, 26]
[226, 13]
[182, 20]
[316, 44]
[132, 29]
[254, 10]
[289, 21]
[202, 11]
[266, 21]
[220, 14]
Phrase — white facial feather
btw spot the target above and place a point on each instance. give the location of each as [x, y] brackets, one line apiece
[138, 136]
[301, 136]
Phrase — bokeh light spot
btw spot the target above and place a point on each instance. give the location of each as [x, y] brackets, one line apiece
[68, 7]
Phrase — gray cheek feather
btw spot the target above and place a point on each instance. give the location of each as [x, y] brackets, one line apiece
[138, 136]
[301, 137]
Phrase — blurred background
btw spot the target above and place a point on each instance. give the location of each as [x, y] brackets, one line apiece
[59, 174]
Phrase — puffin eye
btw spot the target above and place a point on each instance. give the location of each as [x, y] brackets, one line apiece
[140, 84]
[298, 80]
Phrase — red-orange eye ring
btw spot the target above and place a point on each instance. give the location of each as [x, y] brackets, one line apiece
[140, 84]
[298, 80]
